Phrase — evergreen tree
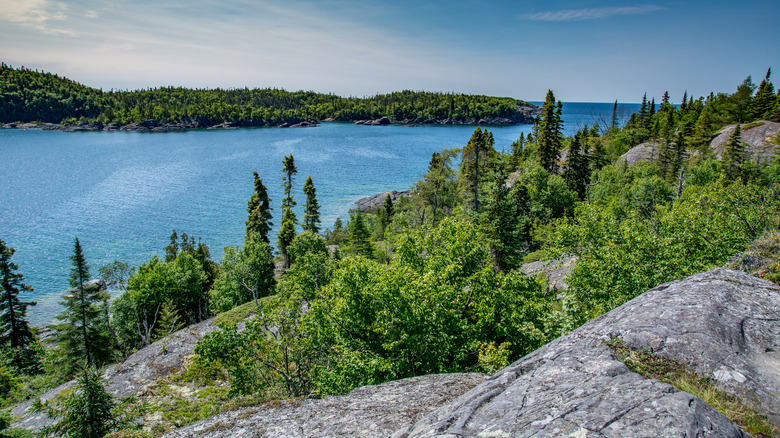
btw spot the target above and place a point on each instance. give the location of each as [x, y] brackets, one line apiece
[172, 250]
[613, 120]
[774, 114]
[665, 99]
[506, 221]
[14, 329]
[359, 237]
[259, 209]
[437, 187]
[168, 321]
[764, 100]
[311, 216]
[684, 103]
[88, 411]
[82, 336]
[386, 214]
[287, 231]
[476, 161]
[680, 154]
[577, 171]
[734, 154]
[518, 151]
[549, 137]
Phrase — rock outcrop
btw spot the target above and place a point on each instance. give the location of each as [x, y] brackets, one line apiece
[723, 324]
[555, 272]
[370, 411]
[134, 375]
[759, 139]
[757, 136]
[370, 204]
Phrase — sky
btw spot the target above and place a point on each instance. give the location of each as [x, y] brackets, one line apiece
[585, 51]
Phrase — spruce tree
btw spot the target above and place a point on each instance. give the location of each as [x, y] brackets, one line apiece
[506, 221]
[577, 172]
[82, 336]
[359, 236]
[734, 154]
[549, 136]
[14, 330]
[476, 161]
[437, 188]
[259, 209]
[613, 120]
[311, 216]
[287, 231]
[764, 100]
[88, 411]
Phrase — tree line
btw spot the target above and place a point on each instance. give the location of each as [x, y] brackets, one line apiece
[33, 96]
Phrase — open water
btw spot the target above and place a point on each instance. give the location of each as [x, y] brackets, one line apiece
[122, 193]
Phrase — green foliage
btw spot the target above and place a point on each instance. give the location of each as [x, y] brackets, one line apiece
[476, 162]
[434, 308]
[27, 95]
[621, 257]
[359, 236]
[438, 189]
[246, 274]
[259, 209]
[548, 131]
[287, 231]
[311, 216]
[506, 222]
[5, 432]
[14, 330]
[83, 336]
[86, 412]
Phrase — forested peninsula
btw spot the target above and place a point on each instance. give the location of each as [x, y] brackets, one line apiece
[54, 102]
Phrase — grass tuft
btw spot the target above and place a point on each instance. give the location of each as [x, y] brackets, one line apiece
[669, 371]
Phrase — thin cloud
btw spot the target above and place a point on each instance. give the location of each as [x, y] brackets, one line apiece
[37, 14]
[92, 14]
[590, 14]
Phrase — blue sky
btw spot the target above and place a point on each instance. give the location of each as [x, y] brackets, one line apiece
[584, 51]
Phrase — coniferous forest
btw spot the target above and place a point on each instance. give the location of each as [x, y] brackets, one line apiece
[32, 96]
[428, 283]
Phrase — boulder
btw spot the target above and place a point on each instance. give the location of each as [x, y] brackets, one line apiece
[758, 137]
[642, 152]
[723, 324]
[133, 376]
[370, 204]
[370, 411]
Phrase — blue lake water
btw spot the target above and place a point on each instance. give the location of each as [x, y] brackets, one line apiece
[122, 193]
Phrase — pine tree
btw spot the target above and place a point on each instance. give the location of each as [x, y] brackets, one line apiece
[549, 137]
[518, 151]
[82, 337]
[665, 99]
[172, 250]
[287, 231]
[259, 209]
[311, 216]
[477, 158]
[734, 154]
[14, 329]
[684, 103]
[169, 320]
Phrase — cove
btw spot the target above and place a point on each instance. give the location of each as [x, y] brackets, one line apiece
[122, 193]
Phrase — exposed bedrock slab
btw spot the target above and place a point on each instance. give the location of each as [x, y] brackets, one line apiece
[370, 411]
[723, 324]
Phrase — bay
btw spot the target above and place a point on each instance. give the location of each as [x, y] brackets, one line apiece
[122, 193]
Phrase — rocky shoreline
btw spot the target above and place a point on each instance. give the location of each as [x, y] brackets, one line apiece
[525, 116]
[152, 125]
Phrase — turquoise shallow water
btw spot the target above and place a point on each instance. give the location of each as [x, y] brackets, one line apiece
[122, 193]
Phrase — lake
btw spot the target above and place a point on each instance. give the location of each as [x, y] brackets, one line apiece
[122, 193]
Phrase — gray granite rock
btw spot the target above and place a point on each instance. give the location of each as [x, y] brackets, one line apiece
[723, 324]
[134, 375]
[370, 411]
[371, 203]
[757, 137]
[555, 272]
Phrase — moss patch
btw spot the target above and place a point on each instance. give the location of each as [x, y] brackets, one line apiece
[237, 314]
[666, 370]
